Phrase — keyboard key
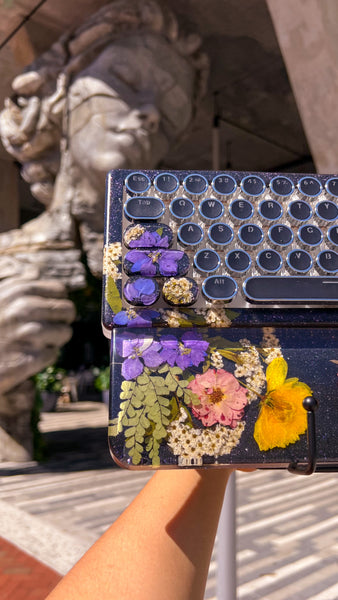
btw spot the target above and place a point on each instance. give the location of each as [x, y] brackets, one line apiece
[299, 261]
[182, 208]
[207, 260]
[141, 291]
[289, 290]
[309, 186]
[332, 235]
[281, 186]
[327, 210]
[190, 234]
[166, 183]
[220, 234]
[241, 210]
[195, 184]
[253, 185]
[331, 186]
[211, 208]
[138, 183]
[270, 210]
[148, 235]
[238, 261]
[310, 235]
[280, 235]
[250, 235]
[327, 261]
[180, 291]
[144, 208]
[156, 263]
[224, 185]
[299, 210]
[219, 288]
[269, 261]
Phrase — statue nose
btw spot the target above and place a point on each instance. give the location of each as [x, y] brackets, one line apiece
[146, 117]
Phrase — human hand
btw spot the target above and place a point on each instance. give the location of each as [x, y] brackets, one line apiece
[35, 319]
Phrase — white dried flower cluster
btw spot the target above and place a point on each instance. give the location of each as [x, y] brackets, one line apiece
[216, 317]
[178, 291]
[133, 233]
[216, 360]
[171, 317]
[191, 444]
[251, 369]
[111, 254]
[271, 354]
[270, 344]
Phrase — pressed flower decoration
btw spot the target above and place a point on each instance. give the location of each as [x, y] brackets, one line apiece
[190, 394]
[282, 418]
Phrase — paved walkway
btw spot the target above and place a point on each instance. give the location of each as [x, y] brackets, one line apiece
[287, 542]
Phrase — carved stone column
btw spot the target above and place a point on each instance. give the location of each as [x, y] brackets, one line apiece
[307, 35]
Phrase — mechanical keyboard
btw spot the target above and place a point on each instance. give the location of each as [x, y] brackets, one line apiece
[215, 279]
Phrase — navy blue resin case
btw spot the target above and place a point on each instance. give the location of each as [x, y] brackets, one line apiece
[220, 296]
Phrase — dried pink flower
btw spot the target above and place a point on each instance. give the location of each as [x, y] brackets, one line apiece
[222, 398]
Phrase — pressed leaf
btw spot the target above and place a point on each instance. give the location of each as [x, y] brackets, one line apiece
[142, 379]
[112, 295]
[131, 412]
[129, 431]
[129, 443]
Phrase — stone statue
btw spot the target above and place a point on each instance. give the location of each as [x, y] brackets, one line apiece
[117, 92]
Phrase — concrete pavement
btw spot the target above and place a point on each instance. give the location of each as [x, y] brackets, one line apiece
[287, 541]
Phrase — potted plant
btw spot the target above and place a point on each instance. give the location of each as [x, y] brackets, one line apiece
[49, 383]
[101, 381]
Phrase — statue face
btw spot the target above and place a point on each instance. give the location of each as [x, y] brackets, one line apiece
[128, 106]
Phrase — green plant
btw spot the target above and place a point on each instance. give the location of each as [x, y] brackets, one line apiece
[101, 381]
[50, 379]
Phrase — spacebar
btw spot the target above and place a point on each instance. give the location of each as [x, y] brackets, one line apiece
[286, 290]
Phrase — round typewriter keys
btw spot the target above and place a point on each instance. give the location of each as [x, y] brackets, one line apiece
[269, 261]
[310, 186]
[181, 208]
[137, 183]
[270, 210]
[224, 185]
[252, 186]
[332, 236]
[220, 234]
[190, 234]
[310, 236]
[299, 210]
[298, 261]
[327, 211]
[331, 186]
[327, 261]
[238, 261]
[211, 209]
[281, 186]
[207, 260]
[166, 183]
[195, 184]
[241, 210]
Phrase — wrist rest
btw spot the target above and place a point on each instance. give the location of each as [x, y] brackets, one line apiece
[197, 397]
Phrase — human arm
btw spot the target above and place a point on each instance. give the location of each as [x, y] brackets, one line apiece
[161, 545]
